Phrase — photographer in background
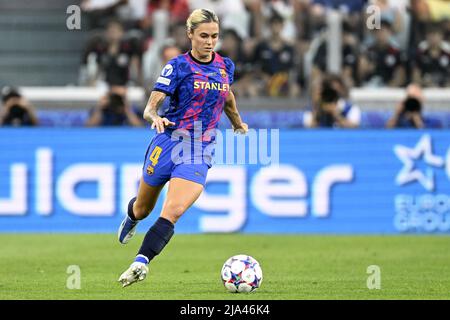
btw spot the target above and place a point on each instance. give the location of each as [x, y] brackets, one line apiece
[16, 110]
[408, 113]
[113, 110]
[330, 107]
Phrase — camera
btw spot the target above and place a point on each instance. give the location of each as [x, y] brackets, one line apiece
[116, 103]
[412, 104]
[328, 97]
[17, 115]
[328, 93]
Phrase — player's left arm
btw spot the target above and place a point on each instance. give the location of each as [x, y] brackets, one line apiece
[233, 115]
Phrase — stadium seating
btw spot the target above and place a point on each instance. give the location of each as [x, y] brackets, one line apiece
[36, 46]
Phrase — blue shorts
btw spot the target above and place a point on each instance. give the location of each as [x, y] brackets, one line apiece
[166, 159]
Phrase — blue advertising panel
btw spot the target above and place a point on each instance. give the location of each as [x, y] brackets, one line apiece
[318, 181]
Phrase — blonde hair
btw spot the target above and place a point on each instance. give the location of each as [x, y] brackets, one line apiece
[199, 16]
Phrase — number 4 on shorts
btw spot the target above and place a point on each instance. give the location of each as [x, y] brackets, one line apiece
[154, 156]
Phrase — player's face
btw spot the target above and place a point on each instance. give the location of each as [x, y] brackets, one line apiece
[204, 38]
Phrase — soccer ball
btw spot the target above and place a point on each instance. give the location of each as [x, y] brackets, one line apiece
[241, 273]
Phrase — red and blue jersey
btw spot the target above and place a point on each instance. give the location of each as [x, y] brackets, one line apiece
[197, 90]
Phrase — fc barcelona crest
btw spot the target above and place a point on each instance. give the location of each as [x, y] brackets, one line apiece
[223, 73]
[150, 170]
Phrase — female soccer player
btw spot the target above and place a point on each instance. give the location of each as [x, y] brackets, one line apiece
[198, 83]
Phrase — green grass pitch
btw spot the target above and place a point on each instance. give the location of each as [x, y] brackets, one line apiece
[34, 266]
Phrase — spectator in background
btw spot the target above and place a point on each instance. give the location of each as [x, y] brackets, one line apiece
[395, 13]
[178, 33]
[419, 18]
[178, 11]
[422, 13]
[16, 110]
[381, 63]
[446, 29]
[330, 105]
[391, 14]
[113, 58]
[130, 13]
[231, 47]
[350, 10]
[158, 59]
[286, 10]
[163, 26]
[408, 113]
[274, 58]
[434, 10]
[432, 62]
[350, 53]
[99, 12]
[254, 9]
[168, 52]
[114, 110]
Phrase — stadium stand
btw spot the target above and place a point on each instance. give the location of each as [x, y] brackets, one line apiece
[36, 47]
[43, 58]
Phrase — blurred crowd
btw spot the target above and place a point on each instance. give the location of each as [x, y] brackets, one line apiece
[279, 47]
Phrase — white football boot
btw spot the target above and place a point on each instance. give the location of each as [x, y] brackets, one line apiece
[136, 272]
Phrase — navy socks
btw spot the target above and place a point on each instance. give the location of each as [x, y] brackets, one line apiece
[155, 240]
[130, 209]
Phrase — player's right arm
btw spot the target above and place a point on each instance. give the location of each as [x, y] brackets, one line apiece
[151, 114]
[165, 85]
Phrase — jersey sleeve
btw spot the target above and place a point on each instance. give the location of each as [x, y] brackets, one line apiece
[168, 80]
[229, 65]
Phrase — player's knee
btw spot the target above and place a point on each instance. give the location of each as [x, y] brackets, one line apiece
[173, 211]
[141, 211]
